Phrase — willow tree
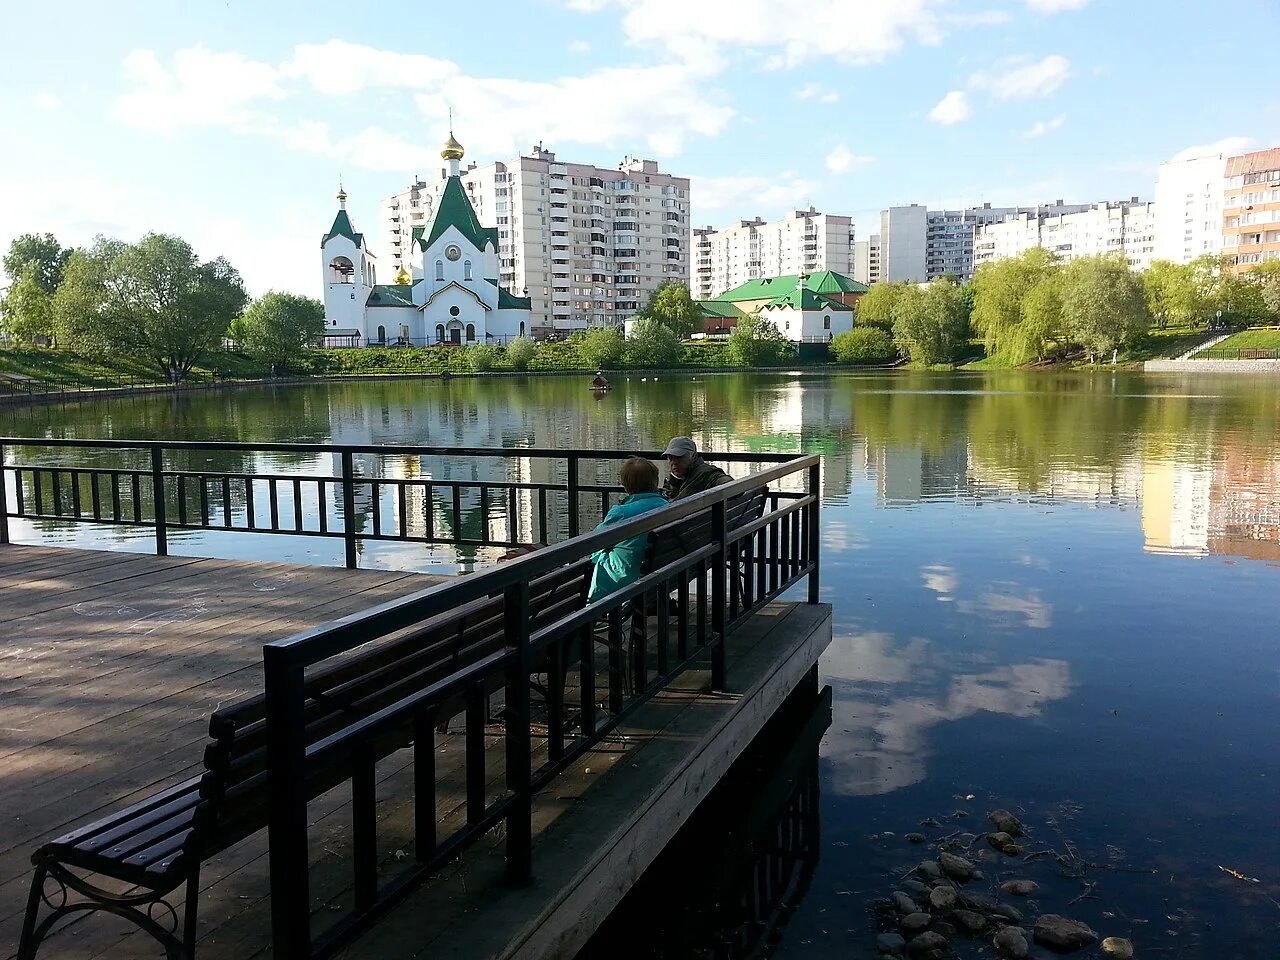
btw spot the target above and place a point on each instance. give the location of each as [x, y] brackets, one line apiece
[1012, 322]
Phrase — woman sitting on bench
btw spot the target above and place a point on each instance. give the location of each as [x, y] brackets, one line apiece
[620, 565]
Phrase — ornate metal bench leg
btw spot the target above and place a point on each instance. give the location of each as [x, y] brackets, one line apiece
[189, 910]
[28, 943]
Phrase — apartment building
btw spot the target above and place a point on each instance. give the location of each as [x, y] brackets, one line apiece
[806, 241]
[1251, 208]
[903, 235]
[866, 260]
[1127, 227]
[586, 244]
[1189, 207]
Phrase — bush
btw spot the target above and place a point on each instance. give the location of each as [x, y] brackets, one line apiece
[864, 345]
[756, 342]
[603, 347]
[653, 345]
[482, 358]
[519, 352]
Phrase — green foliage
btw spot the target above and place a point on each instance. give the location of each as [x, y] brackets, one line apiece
[1239, 297]
[652, 345]
[864, 345]
[1173, 295]
[1009, 326]
[602, 347]
[26, 312]
[520, 353]
[151, 299]
[483, 357]
[1271, 295]
[756, 342]
[875, 308]
[39, 255]
[933, 324]
[673, 307]
[1104, 305]
[279, 328]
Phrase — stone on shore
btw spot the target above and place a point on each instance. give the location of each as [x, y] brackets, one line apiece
[929, 869]
[1061, 934]
[904, 903]
[943, 898]
[927, 946]
[1117, 947]
[915, 922]
[1011, 943]
[893, 943]
[958, 868]
[916, 888]
[1006, 822]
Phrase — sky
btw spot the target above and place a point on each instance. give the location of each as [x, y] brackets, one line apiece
[230, 122]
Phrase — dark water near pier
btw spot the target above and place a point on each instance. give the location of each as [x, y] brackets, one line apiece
[1055, 593]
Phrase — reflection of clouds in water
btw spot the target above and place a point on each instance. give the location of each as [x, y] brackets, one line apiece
[883, 744]
[1004, 605]
[839, 535]
[1029, 560]
[941, 579]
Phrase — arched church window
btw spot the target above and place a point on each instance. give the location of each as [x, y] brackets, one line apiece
[341, 270]
[439, 333]
[522, 328]
[471, 333]
[826, 322]
[439, 269]
[466, 270]
[382, 334]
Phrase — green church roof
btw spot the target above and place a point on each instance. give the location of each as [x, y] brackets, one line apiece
[390, 295]
[455, 210]
[716, 308]
[509, 301]
[342, 228]
[767, 288]
[807, 299]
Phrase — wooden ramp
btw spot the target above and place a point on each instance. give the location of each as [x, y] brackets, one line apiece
[110, 664]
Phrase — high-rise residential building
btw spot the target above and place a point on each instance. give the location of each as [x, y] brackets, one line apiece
[586, 244]
[1126, 227]
[866, 260]
[807, 242]
[1251, 208]
[903, 233]
[1189, 207]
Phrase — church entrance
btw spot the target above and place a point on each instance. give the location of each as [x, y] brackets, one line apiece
[455, 333]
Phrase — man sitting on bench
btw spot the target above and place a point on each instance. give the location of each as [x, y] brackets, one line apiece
[621, 564]
[689, 473]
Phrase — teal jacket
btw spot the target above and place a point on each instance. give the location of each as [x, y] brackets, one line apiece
[619, 565]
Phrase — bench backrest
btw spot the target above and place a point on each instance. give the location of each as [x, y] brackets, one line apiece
[234, 787]
[681, 537]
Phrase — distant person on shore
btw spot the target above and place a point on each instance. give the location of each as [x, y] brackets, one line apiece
[688, 473]
[620, 565]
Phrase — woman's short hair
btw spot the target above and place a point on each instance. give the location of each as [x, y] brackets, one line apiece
[639, 476]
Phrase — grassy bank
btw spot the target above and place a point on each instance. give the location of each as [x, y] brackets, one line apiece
[1261, 339]
[63, 367]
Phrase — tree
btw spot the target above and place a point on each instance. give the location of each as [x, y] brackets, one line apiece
[652, 345]
[755, 341]
[520, 352]
[673, 307]
[42, 255]
[1172, 294]
[482, 357]
[603, 347]
[864, 345]
[1271, 295]
[875, 308]
[26, 312]
[1041, 322]
[1104, 306]
[932, 324]
[152, 299]
[1000, 292]
[279, 327]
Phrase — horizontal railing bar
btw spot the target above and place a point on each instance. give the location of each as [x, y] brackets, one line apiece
[747, 529]
[322, 642]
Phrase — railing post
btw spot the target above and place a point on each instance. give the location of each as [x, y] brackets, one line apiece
[815, 531]
[349, 507]
[4, 500]
[515, 615]
[287, 813]
[719, 570]
[157, 496]
[573, 495]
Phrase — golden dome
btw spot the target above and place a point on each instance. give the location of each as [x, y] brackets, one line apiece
[452, 149]
[342, 193]
[403, 276]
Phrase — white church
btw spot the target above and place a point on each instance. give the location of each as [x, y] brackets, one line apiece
[450, 294]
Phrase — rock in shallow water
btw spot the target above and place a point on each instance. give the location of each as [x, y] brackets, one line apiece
[957, 868]
[903, 903]
[943, 898]
[929, 869]
[1019, 888]
[915, 887]
[1061, 934]
[927, 946]
[914, 838]
[999, 840]
[1011, 943]
[1006, 822]
[893, 943]
[915, 922]
[1117, 947]
[969, 922]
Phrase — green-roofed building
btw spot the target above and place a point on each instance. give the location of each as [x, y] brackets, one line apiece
[806, 308]
[449, 295]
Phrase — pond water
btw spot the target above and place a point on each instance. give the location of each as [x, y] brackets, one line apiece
[1057, 593]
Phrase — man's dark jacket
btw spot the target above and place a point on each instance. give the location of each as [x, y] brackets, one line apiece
[700, 476]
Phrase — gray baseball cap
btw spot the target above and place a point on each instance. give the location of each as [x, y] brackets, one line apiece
[680, 447]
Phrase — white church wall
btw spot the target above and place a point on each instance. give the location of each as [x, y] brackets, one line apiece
[344, 298]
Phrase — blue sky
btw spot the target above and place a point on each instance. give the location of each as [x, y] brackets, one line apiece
[229, 122]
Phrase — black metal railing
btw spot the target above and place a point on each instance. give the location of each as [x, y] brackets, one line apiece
[697, 600]
[1238, 353]
[167, 486]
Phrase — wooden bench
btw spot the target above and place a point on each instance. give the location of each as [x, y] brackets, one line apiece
[156, 846]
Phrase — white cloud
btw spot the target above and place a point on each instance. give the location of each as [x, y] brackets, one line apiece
[791, 31]
[953, 108]
[1041, 127]
[1056, 6]
[48, 100]
[979, 18]
[1021, 78]
[579, 46]
[843, 160]
[759, 194]
[816, 91]
[655, 108]
[1226, 147]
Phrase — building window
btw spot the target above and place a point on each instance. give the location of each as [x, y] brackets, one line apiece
[522, 328]
[471, 333]
[382, 334]
[466, 270]
[454, 311]
[341, 270]
[439, 333]
[439, 269]
[826, 322]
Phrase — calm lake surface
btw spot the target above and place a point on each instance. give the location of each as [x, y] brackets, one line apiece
[1057, 593]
